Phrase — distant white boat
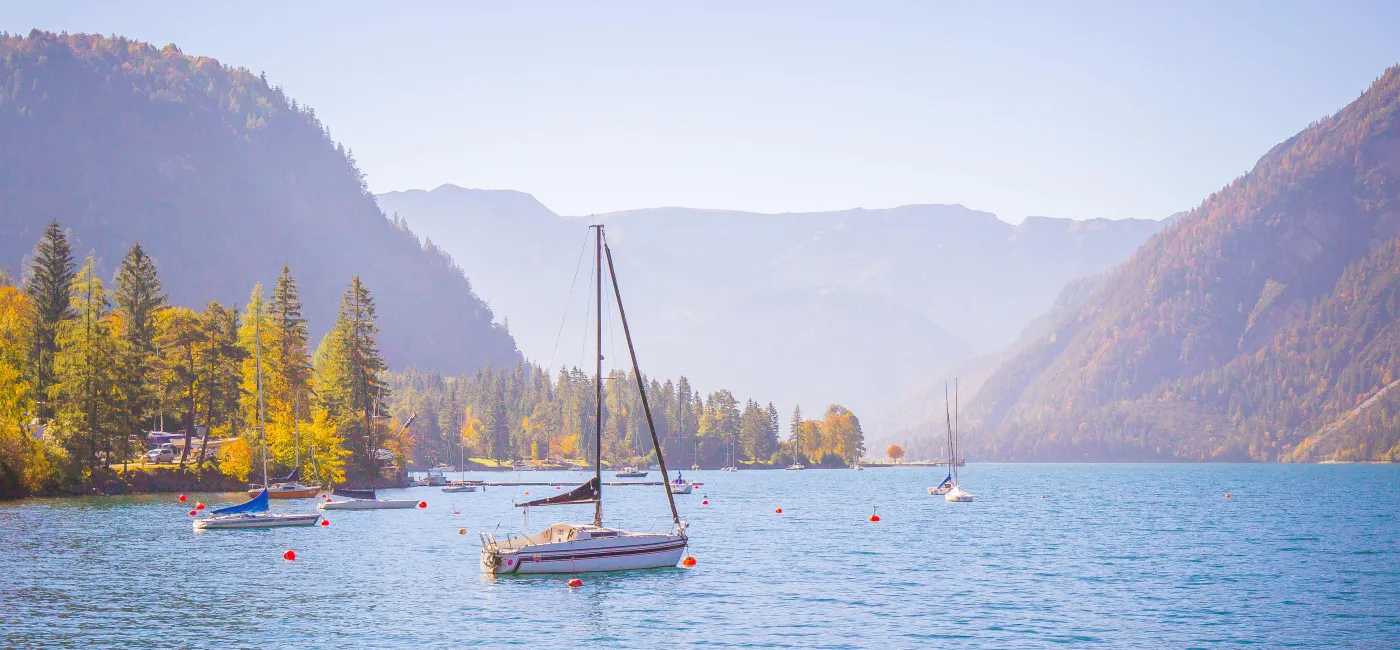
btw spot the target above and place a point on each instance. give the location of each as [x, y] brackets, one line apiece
[459, 487]
[630, 472]
[796, 466]
[951, 491]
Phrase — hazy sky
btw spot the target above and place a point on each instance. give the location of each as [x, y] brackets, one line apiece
[1115, 109]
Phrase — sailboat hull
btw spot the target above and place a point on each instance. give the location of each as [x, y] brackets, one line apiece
[288, 492]
[255, 521]
[367, 504]
[624, 552]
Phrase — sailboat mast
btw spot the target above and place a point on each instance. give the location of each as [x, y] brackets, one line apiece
[598, 377]
[641, 388]
[262, 416]
[296, 431]
[955, 431]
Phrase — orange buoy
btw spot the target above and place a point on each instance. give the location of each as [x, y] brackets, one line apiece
[873, 516]
[198, 506]
[182, 498]
[779, 511]
[688, 561]
[461, 531]
[325, 522]
[575, 582]
[422, 504]
[289, 555]
[193, 513]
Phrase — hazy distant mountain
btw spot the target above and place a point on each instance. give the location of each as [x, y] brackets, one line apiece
[851, 306]
[221, 178]
[1263, 325]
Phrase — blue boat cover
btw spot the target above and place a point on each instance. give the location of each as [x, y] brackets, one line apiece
[947, 481]
[255, 504]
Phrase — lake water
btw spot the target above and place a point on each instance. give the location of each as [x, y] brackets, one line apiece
[1115, 555]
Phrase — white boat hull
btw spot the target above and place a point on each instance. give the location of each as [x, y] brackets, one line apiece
[452, 489]
[939, 491]
[366, 504]
[682, 489]
[958, 495]
[623, 552]
[255, 521]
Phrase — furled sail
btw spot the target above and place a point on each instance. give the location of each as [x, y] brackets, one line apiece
[947, 482]
[354, 494]
[586, 493]
[255, 504]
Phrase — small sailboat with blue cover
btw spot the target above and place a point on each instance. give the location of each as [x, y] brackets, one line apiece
[255, 512]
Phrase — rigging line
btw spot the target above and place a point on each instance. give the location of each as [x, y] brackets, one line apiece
[568, 303]
[587, 311]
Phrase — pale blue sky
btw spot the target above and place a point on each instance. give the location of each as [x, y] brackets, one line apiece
[1114, 109]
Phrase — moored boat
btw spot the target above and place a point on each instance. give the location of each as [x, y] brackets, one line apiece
[577, 548]
[256, 512]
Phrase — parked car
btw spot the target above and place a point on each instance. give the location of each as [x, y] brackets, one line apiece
[162, 454]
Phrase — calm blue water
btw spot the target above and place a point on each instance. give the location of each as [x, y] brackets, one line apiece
[1117, 555]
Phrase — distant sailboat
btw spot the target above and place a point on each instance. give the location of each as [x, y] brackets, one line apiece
[575, 548]
[947, 485]
[796, 452]
[255, 512]
[290, 487]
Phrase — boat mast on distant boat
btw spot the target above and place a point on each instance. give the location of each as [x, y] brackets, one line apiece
[956, 494]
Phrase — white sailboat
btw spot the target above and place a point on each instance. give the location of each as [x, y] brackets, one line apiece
[956, 494]
[796, 452]
[947, 485]
[576, 548]
[461, 484]
[255, 512]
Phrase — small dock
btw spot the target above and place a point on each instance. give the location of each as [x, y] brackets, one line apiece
[549, 483]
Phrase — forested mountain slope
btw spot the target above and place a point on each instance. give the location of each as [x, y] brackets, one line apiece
[1260, 326]
[222, 178]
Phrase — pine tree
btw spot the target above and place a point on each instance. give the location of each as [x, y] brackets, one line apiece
[221, 363]
[349, 380]
[182, 339]
[48, 285]
[82, 373]
[139, 298]
[289, 367]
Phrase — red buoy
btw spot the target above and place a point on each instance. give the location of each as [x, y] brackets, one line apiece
[289, 555]
[193, 513]
[873, 516]
[1227, 495]
[688, 561]
[422, 504]
[456, 512]
[779, 511]
[198, 506]
[182, 498]
[706, 502]
[325, 522]
[324, 496]
[575, 582]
